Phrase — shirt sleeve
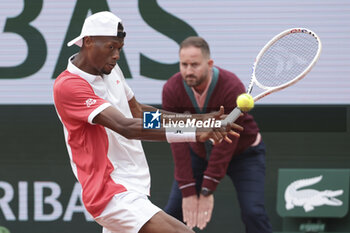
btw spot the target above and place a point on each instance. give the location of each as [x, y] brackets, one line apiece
[180, 151]
[222, 153]
[219, 160]
[183, 169]
[76, 101]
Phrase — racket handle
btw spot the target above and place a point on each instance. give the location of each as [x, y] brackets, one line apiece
[232, 117]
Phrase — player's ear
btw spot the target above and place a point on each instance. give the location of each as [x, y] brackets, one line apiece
[87, 41]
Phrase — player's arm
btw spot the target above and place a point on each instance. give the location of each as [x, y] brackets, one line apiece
[137, 110]
[131, 128]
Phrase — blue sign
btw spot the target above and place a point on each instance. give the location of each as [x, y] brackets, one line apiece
[151, 120]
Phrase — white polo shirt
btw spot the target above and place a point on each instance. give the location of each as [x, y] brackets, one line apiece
[104, 162]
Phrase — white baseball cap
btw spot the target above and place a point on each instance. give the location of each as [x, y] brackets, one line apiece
[102, 23]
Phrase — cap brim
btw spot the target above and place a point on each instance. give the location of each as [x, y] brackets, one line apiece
[78, 41]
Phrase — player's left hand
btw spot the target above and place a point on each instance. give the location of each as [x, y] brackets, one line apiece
[217, 135]
[205, 210]
[217, 115]
[220, 115]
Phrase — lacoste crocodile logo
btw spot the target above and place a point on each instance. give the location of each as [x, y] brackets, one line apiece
[310, 198]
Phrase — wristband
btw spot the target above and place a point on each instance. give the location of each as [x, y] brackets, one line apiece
[178, 135]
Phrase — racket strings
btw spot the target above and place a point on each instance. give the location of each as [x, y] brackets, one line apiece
[286, 59]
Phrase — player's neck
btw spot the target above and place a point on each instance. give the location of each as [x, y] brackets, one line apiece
[82, 63]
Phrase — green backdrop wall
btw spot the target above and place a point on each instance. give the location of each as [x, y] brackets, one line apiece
[33, 152]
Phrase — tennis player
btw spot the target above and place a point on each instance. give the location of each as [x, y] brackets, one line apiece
[103, 128]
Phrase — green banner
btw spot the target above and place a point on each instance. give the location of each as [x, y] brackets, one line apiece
[313, 192]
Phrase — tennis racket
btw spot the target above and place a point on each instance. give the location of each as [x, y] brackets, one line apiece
[283, 61]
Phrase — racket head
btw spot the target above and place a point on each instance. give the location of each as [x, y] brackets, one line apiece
[284, 60]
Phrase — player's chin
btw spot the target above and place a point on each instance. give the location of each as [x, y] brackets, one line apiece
[106, 71]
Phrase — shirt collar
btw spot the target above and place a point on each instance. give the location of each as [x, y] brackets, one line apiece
[75, 70]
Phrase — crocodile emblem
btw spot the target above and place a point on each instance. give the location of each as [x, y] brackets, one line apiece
[310, 198]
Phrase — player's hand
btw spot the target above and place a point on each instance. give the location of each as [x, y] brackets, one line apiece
[205, 210]
[190, 210]
[232, 128]
[217, 115]
[217, 135]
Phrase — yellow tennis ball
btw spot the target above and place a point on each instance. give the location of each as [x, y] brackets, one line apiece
[245, 102]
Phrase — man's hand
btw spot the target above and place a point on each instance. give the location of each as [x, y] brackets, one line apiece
[217, 135]
[217, 115]
[189, 210]
[205, 210]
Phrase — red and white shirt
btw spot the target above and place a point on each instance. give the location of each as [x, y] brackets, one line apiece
[104, 162]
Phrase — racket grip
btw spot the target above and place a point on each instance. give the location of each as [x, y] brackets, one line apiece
[232, 117]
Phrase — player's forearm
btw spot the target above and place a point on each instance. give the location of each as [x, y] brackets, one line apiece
[132, 128]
